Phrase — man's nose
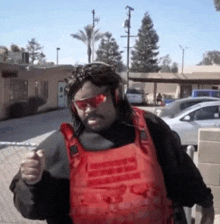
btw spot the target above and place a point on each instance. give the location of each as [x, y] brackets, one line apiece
[89, 108]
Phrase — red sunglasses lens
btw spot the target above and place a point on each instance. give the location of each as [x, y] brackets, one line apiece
[93, 102]
[81, 105]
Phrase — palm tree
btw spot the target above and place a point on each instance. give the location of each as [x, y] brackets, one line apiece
[89, 37]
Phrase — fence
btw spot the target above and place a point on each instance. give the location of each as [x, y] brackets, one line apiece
[11, 154]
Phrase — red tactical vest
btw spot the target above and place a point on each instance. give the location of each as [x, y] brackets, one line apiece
[121, 185]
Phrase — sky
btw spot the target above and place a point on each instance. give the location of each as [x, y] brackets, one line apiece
[191, 24]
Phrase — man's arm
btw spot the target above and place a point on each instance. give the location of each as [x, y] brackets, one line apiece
[183, 180]
[47, 196]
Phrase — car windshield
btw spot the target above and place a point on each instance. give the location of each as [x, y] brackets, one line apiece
[134, 91]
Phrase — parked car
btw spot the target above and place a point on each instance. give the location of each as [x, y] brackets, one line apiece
[188, 122]
[136, 96]
[205, 92]
[177, 106]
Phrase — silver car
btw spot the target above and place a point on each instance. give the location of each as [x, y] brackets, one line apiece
[177, 106]
[136, 96]
[187, 123]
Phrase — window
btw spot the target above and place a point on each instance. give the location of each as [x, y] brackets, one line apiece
[9, 74]
[41, 89]
[206, 113]
[44, 89]
[217, 94]
[134, 91]
[19, 89]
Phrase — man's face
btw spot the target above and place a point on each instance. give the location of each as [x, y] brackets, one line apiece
[97, 113]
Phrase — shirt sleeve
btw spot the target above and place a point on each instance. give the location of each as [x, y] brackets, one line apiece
[48, 199]
[182, 178]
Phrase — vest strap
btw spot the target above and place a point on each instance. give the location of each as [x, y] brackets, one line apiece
[67, 131]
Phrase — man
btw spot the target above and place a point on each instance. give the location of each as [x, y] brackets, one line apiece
[116, 164]
[159, 98]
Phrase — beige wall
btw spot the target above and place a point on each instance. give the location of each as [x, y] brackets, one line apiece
[209, 164]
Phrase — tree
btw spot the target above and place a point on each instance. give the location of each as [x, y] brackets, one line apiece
[41, 58]
[144, 56]
[174, 67]
[164, 63]
[166, 66]
[89, 37]
[4, 53]
[217, 4]
[210, 58]
[108, 52]
[15, 48]
[35, 50]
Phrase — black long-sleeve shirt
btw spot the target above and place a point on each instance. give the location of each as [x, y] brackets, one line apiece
[49, 199]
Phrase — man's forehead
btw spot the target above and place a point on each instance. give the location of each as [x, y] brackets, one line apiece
[88, 90]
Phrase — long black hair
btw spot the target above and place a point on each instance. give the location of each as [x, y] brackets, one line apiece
[100, 74]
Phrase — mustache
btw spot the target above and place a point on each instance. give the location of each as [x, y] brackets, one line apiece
[93, 115]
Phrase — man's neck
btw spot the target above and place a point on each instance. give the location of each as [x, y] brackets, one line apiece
[118, 134]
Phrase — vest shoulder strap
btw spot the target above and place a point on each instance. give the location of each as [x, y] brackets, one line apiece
[138, 117]
[67, 131]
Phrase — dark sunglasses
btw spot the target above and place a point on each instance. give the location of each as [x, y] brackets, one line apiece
[93, 101]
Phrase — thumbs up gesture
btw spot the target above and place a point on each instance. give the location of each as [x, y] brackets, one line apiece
[32, 166]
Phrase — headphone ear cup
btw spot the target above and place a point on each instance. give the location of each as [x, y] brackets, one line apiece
[118, 95]
[73, 108]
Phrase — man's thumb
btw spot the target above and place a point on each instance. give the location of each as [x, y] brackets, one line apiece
[41, 155]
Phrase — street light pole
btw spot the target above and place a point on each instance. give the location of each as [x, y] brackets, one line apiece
[183, 52]
[57, 54]
[94, 20]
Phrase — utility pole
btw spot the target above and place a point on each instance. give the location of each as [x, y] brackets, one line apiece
[183, 52]
[57, 54]
[94, 20]
[127, 25]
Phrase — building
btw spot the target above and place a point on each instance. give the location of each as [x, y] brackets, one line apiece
[31, 89]
[177, 85]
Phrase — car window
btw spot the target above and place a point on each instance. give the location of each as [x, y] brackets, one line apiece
[217, 94]
[206, 113]
[191, 103]
[203, 94]
[133, 91]
[185, 105]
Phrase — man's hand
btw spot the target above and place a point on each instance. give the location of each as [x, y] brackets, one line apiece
[208, 215]
[32, 167]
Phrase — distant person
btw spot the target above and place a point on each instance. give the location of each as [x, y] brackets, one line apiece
[114, 164]
[159, 98]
